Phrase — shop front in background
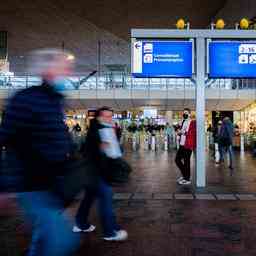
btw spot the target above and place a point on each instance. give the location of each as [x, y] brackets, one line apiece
[247, 121]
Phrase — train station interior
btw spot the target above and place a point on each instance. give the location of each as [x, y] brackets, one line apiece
[121, 52]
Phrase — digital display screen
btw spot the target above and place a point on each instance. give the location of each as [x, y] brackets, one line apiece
[232, 60]
[162, 59]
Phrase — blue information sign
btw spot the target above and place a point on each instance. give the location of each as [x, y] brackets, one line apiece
[162, 59]
[232, 59]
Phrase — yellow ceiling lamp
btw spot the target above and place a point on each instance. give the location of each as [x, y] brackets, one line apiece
[181, 24]
[244, 23]
[220, 24]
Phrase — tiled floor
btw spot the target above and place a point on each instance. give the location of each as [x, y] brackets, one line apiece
[159, 228]
[164, 219]
[184, 227]
[156, 172]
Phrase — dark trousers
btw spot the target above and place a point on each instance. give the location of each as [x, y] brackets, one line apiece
[183, 161]
[226, 149]
[103, 193]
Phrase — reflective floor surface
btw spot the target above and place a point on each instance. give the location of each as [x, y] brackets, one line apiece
[163, 218]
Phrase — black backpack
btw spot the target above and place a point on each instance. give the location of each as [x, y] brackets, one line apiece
[225, 139]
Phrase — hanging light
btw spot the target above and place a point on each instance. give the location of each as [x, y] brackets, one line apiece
[70, 57]
[244, 23]
[220, 24]
[180, 24]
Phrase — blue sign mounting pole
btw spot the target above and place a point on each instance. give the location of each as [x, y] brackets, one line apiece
[200, 113]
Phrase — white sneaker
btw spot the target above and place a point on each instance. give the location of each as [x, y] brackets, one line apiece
[120, 235]
[79, 230]
[185, 182]
[180, 179]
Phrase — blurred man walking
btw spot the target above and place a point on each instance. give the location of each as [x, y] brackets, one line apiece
[33, 127]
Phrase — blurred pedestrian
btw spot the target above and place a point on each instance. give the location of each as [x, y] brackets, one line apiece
[209, 128]
[33, 127]
[187, 142]
[170, 133]
[216, 139]
[101, 143]
[77, 136]
[226, 141]
[77, 128]
[118, 131]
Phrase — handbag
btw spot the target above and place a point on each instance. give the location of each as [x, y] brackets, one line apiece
[74, 179]
[115, 171]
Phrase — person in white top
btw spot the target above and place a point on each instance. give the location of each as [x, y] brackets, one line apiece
[109, 138]
[101, 138]
[184, 129]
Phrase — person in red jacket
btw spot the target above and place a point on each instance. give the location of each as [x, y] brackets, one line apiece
[187, 143]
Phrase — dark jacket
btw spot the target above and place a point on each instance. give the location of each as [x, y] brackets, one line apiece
[33, 129]
[226, 133]
[91, 148]
[95, 158]
[216, 133]
[98, 164]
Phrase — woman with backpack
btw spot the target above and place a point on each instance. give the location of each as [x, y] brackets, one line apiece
[226, 140]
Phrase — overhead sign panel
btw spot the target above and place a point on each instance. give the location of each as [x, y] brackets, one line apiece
[232, 59]
[162, 59]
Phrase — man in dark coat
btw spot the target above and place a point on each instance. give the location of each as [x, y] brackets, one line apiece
[33, 128]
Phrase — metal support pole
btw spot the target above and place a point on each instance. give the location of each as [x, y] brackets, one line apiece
[63, 46]
[200, 113]
[99, 58]
[242, 141]
[27, 81]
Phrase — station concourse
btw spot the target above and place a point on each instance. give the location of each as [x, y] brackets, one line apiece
[147, 61]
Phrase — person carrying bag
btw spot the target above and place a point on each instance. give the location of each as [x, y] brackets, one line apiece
[106, 166]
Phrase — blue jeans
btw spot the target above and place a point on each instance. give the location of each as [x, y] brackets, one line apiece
[229, 149]
[52, 234]
[103, 193]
